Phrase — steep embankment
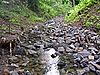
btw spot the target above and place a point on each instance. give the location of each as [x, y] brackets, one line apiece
[86, 14]
[16, 14]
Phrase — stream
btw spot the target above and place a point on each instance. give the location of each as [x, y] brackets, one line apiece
[56, 48]
[51, 63]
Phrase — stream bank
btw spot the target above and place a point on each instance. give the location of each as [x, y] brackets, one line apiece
[54, 48]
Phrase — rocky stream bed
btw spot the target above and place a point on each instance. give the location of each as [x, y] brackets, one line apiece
[54, 48]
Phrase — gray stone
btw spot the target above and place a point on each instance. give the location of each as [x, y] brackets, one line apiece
[61, 49]
[84, 60]
[13, 58]
[87, 69]
[77, 44]
[92, 68]
[93, 52]
[14, 65]
[96, 65]
[72, 46]
[98, 72]
[32, 52]
[84, 53]
[98, 41]
[92, 48]
[30, 47]
[14, 73]
[90, 57]
[98, 60]
[68, 50]
[27, 73]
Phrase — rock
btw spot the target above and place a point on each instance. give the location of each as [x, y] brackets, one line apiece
[60, 40]
[14, 65]
[98, 41]
[84, 60]
[92, 48]
[72, 46]
[92, 68]
[96, 65]
[77, 44]
[93, 52]
[20, 51]
[98, 61]
[61, 49]
[31, 47]
[87, 69]
[14, 59]
[20, 71]
[61, 64]
[68, 50]
[84, 53]
[54, 55]
[6, 72]
[27, 73]
[96, 56]
[98, 72]
[14, 73]
[81, 72]
[90, 57]
[32, 52]
[80, 48]
[43, 62]
[78, 59]
[25, 64]
[73, 41]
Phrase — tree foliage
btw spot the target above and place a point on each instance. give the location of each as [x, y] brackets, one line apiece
[33, 5]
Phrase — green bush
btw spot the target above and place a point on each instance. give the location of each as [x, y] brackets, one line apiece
[83, 5]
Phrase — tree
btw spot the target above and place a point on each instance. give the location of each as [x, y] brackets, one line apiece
[33, 5]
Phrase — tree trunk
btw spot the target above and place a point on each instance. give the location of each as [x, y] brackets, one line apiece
[73, 3]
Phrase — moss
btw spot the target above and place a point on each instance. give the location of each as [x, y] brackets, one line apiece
[92, 17]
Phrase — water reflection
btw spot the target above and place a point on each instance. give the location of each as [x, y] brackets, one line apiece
[51, 63]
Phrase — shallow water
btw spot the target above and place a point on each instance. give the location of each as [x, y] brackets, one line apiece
[51, 63]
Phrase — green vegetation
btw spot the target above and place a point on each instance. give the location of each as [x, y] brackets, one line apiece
[86, 12]
[51, 8]
[28, 12]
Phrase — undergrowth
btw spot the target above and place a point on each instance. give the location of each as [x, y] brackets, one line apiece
[87, 12]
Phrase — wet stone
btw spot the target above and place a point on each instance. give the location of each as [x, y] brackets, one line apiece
[6, 71]
[84, 53]
[61, 64]
[72, 46]
[77, 44]
[92, 68]
[80, 48]
[32, 52]
[27, 73]
[85, 59]
[90, 57]
[86, 69]
[98, 61]
[92, 48]
[98, 72]
[61, 49]
[14, 73]
[96, 56]
[30, 47]
[54, 55]
[98, 41]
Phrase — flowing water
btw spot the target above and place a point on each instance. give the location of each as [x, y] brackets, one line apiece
[51, 63]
